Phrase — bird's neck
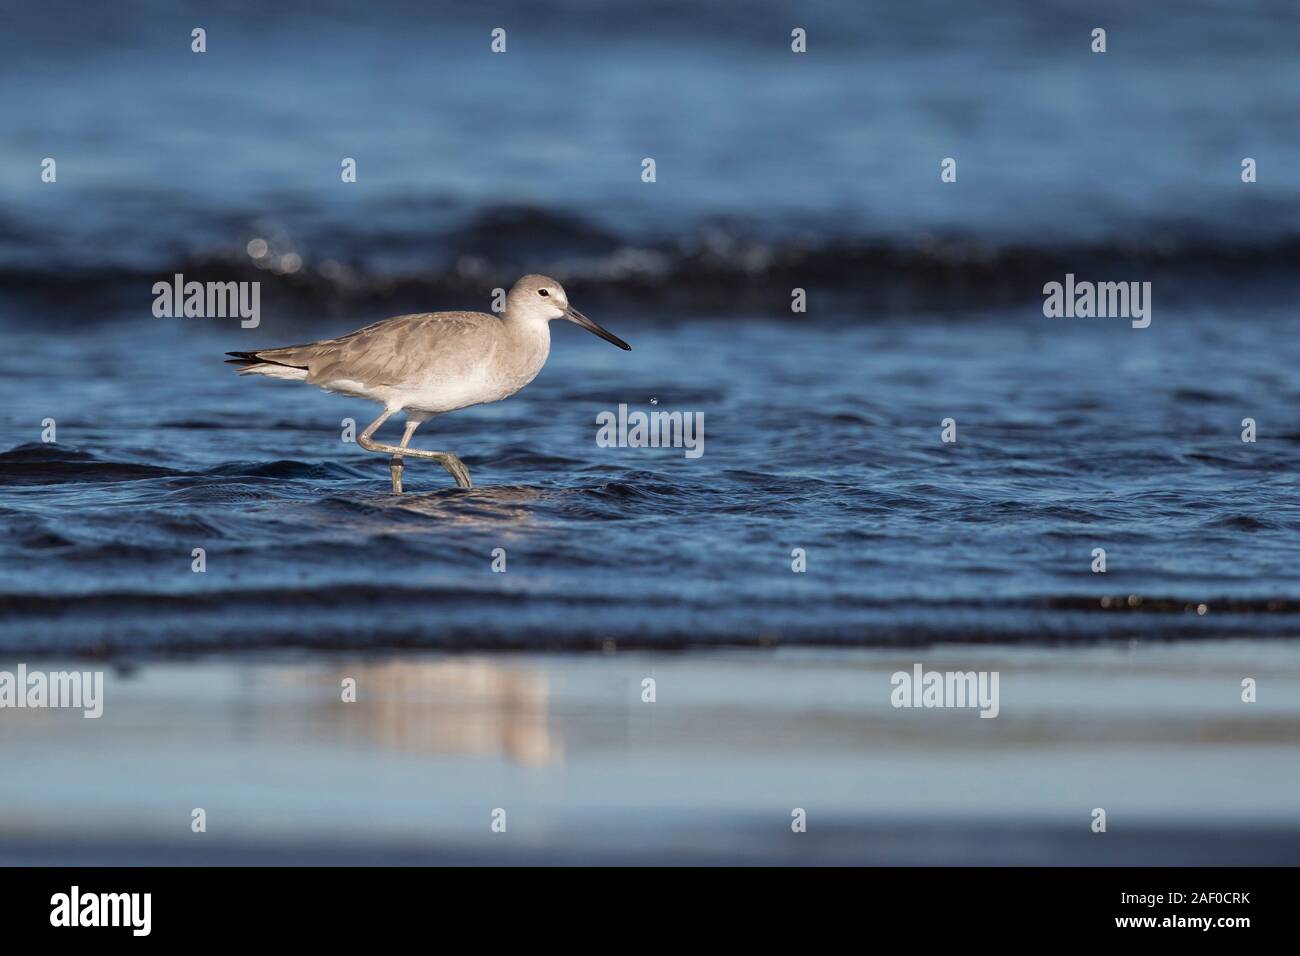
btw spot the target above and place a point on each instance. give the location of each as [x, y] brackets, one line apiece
[532, 340]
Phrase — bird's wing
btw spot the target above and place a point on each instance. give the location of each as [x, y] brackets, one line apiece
[397, 351]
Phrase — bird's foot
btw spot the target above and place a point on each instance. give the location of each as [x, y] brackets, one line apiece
[456, 468]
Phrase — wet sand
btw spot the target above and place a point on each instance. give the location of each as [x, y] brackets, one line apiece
[710, 772]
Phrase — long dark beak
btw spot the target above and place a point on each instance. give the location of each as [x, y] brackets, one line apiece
[573, 315]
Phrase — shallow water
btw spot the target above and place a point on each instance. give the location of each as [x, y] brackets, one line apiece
[1071, 435]
[587, 772]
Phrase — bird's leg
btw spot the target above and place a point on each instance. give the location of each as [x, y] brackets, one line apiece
[455, 467]
[395, 466]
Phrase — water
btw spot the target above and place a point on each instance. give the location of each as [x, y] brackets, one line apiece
[590, 774]
[822, 430]
[773, 169]
[824, 437]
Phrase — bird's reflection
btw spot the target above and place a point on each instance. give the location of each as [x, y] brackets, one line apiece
[485, 507]
[464, 706]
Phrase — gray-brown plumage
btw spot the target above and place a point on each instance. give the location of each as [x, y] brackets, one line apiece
[431, 363]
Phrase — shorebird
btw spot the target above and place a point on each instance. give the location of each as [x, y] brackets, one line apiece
[431, 363]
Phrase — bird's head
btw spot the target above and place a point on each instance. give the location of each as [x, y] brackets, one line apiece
[542, 298]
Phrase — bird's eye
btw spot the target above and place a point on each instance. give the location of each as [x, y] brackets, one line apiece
[542, 292]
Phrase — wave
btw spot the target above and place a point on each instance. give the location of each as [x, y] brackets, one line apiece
[35, 463]
[718, 267]
[39, 463]
[456, 617]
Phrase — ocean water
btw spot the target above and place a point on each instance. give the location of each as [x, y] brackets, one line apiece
[775, 171]
[1071, 435]
[588, 773]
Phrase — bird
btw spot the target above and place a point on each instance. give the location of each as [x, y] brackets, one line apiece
[431, 363]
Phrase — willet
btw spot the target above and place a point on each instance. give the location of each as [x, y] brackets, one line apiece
[431, 363]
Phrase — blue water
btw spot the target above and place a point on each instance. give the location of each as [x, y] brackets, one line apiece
[827, 438]
[775, 171]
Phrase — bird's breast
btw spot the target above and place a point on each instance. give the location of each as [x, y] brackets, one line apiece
[503, 374]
